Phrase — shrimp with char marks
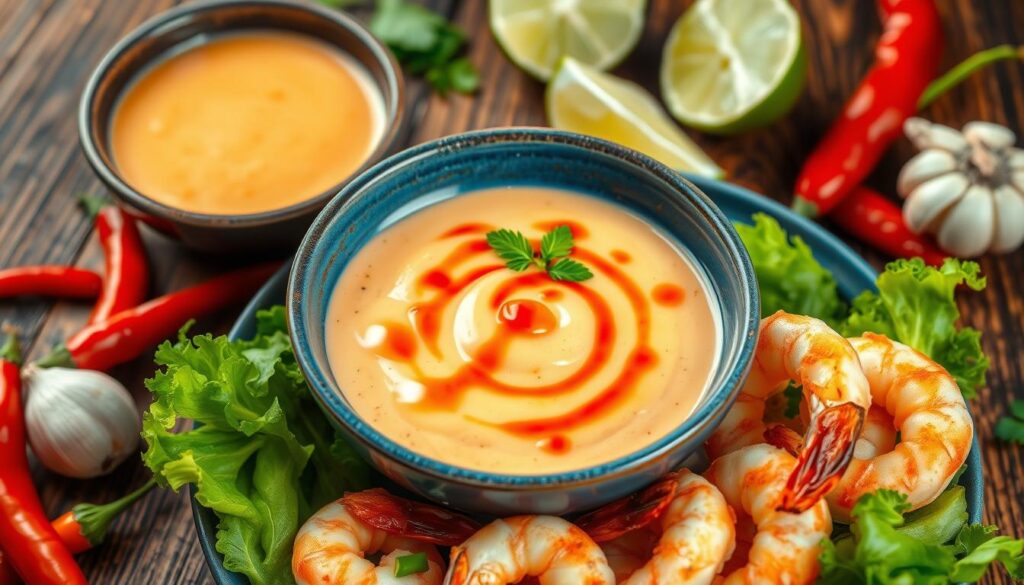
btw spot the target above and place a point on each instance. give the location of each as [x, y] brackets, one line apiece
[547, 547]
[332, 546]
[935, 429]
[786, 545]
[806, 351]
[686, 544]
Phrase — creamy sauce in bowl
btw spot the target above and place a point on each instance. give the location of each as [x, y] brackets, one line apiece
[246, 123]
[443, 349]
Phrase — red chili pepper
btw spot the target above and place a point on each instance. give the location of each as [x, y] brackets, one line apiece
[82, 527]
[869, 216]
[66, 282]
[906, 60]
[126, 282]
[32, 545]
[126, 335]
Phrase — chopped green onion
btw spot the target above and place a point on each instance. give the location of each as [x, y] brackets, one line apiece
[411, 564]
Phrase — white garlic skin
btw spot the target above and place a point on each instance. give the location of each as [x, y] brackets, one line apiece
[967, 189]
[79, 423]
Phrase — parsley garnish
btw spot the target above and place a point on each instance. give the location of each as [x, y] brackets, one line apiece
[426, 44]
[1011, 427]
[555, 246]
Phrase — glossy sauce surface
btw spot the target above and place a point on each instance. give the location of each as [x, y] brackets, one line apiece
[246, 123]
[445, 350]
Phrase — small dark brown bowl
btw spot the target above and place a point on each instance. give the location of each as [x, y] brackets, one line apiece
[275, 231]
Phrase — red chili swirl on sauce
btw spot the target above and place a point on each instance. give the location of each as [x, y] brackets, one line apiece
[518, 318]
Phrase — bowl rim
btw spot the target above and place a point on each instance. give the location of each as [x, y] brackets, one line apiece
[709, 413]
[394, 114]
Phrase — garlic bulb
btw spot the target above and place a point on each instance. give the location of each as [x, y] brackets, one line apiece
[79, 423]
[965, 187]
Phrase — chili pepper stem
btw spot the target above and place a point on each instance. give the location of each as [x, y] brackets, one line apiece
[60, 357]
[93, 203]
[11, 349]
[965, 69]
[94, 519]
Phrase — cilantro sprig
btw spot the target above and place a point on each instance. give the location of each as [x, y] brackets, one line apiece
[555, 247]
[1011, 427]
[426, 44]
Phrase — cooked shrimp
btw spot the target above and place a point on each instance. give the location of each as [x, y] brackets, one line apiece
[928, 409]
[806, 351]
[696, 537]
[330, 548]
[785, 547]
[547, 547]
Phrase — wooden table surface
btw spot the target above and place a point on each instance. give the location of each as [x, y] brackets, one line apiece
[49, 47]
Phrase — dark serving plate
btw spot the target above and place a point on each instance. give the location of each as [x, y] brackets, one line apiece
[852, 273]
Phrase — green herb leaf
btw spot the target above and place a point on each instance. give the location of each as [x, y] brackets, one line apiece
[263, 456]
[556, 243]
[789, 277]
[916, 305]
[570, 270]
[426, 44]
[1011, 427]
[981, 546]
[512, 247]
[411, 564]
[406, 26]
[518, 253]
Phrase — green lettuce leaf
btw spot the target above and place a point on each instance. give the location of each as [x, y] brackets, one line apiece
[263, 457]
[789, 277]
[877, 553]
[916, 305]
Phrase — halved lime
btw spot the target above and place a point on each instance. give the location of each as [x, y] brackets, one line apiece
[733, 65]
[585, 100]
[536, 34]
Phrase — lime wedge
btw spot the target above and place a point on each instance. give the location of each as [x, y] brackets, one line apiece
[584, 100]
[733, 65]
[536, 34]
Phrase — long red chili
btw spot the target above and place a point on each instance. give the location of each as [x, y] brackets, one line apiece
[65, 282]
[30, 542]
[128, 334]
[82, 527]
[906, 60]
[867, 215]
[126, 281]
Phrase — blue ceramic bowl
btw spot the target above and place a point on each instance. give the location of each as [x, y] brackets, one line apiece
[437, 171]
[853, 275]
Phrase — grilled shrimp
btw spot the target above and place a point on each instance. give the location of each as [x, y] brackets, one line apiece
[806, 351]
[928, 409]
[547, 547]
[785, 547]
[330, 548]
[686, 543]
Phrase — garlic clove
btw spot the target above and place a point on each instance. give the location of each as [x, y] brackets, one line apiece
[924, 167]
[931, 199]
[968, 228]
[991, 135]
[1015, 159]
[79, 423]
[1009, 217]
[924, 135]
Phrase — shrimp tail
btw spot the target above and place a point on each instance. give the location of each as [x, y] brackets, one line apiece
[631, 512]
[408, 519]
[824, 458]
[783, 437]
